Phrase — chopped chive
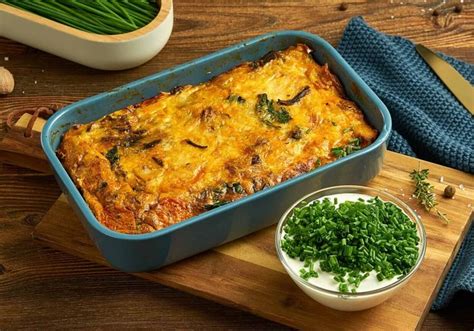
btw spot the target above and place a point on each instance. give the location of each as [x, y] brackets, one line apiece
[351, 239]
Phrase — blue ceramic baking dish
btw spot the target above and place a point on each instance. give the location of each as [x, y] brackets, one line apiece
[133, 253]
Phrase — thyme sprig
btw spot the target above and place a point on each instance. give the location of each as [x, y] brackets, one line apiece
[424, 192]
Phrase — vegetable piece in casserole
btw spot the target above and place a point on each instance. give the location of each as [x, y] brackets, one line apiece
[196, 148]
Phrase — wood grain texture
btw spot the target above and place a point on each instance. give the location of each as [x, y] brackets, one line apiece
[246, 273]
[202, 27]
[42, 288]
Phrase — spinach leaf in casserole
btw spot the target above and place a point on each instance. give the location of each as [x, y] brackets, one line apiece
[269, 112]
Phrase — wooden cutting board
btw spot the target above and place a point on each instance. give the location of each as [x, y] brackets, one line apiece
[247, 274]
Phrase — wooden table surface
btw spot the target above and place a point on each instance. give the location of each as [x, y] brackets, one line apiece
[40, 287]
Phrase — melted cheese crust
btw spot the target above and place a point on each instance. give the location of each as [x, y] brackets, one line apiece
[176, 155]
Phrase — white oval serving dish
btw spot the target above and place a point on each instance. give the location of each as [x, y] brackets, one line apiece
[106, 52]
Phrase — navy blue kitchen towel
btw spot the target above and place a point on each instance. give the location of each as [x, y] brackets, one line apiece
[428, 121]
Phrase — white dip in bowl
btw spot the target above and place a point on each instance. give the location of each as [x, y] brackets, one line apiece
[324, 288]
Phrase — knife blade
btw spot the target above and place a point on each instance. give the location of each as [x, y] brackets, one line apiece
[459, 87]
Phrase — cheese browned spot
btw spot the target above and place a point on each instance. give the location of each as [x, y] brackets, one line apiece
[178, 154]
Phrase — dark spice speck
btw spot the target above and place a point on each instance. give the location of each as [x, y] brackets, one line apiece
[256, 159]
[296, 133]
[158, 161]
[151, 144]
[343, 6]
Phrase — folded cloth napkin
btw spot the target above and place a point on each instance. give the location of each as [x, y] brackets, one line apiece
[428, 121]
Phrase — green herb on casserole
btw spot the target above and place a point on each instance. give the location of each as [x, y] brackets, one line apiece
[269, 112]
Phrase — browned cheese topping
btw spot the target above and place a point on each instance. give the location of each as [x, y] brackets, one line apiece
[176, 155]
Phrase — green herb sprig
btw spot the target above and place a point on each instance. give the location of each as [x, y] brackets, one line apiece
[113, 155]
[351, 239]
[214, 205]
[98, 16]
[424, 192]
[236, 98]
[269, 112]
[351, 147]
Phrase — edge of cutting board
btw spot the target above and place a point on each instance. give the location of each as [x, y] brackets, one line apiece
[255, 255]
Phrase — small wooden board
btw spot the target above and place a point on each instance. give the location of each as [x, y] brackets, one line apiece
[247, 274]
[23, 151]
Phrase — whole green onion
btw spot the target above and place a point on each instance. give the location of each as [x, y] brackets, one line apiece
[96, 16]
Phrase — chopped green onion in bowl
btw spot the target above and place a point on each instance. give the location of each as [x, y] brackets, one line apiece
[351, 242]
[350, 239]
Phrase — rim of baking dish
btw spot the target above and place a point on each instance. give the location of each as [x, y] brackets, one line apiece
[87, 212]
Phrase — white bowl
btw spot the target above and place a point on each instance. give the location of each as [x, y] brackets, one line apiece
[359, 300]
[107, 52]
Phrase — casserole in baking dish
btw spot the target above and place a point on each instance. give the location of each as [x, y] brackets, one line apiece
[184, 152]
[138, 252]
